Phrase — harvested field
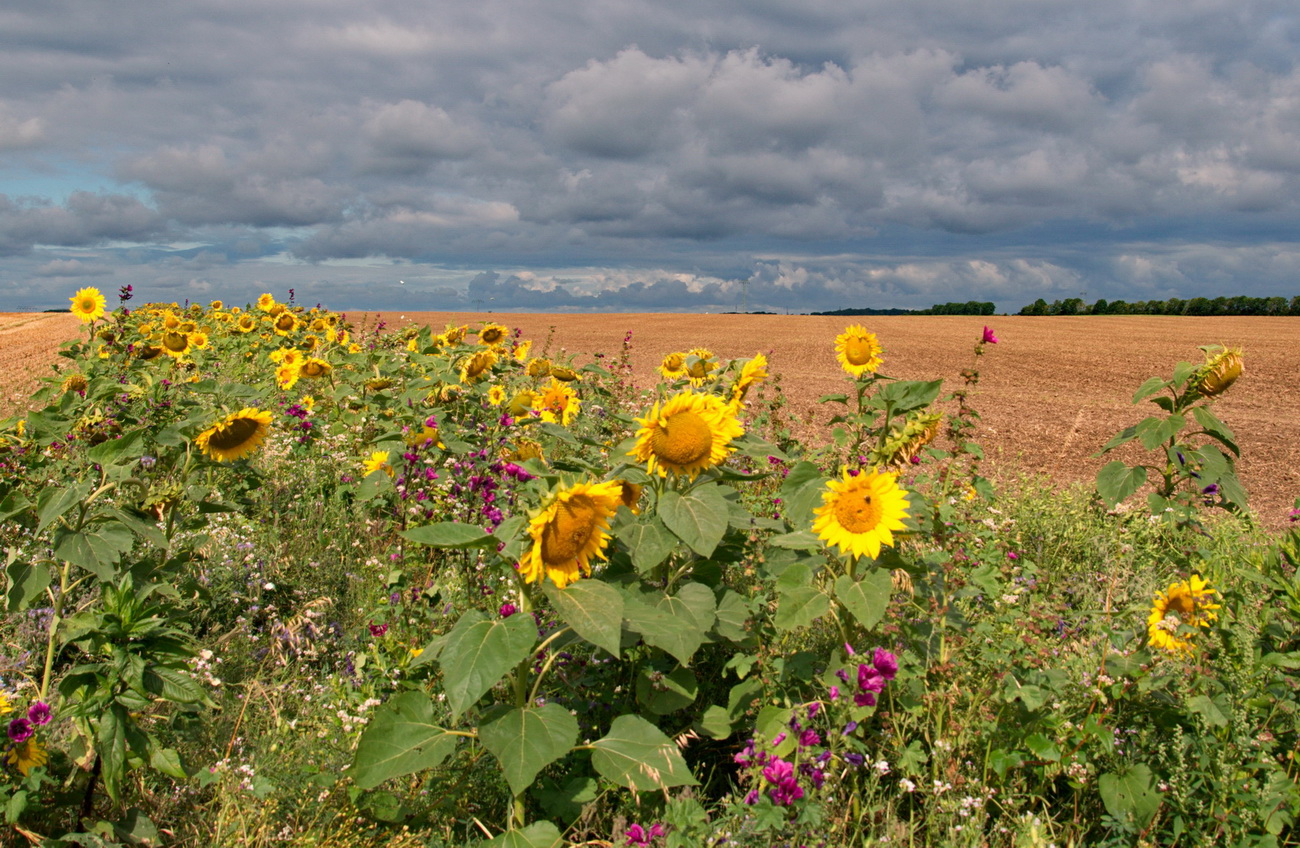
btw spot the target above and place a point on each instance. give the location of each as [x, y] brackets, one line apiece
[1051, 392]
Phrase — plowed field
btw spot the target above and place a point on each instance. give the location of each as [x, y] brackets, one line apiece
[1051, 392]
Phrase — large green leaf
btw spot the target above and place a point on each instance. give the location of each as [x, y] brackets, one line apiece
[866, 598]
[800, 606]
[1116, 481]
[636, 754]
[527, 740]
[27, 581]
[662, 693]
[593, 609]
[1130, 795]
[649, 542]
[540, 834]
[699, 518]
[732, 615]
[450, 534]
[1211, 424]
[478, 653]
[801, 493]
[680, 622]
[96, 548]
[401, 738]
[52, 503]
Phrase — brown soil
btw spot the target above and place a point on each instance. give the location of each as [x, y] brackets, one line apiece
[1051, 392]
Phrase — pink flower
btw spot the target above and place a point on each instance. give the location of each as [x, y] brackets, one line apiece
[39, 713]
[988, 336]
[638, 835]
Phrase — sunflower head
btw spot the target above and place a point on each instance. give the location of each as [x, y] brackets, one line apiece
[1221, 370]
[522, 403]
[526, 449]
[904, 444]
[687, 434]
[175, 344]
[246, 323]
[26, 756]
[1178, 609]
[557, 403]
[700, 365]
[237, 435]
[313, 367]
[493, 335]
[755, 371]
[377, 384]
[88, 305]
[538, 368]
[286, 323]
[629, 495]
[860, 512]
[199, 339]
[74, 383]
[564, 374]
[378, 462]
[568, 531]
[496, 395]
[265, 302]
[148, 352]
[477, 366]
[673, 366]
[858, 351]
[286, 376]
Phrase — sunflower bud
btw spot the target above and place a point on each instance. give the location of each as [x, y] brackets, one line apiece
[1219, 372]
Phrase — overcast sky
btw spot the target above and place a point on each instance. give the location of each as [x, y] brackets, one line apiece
[646, 155]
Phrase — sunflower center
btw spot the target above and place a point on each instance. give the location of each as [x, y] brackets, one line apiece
[683, 439]
[87, 304]
[490, 336]
[857, 511]
[673, 362]
[234, 434]
[859, 351]
[175, 341]
[566, 536]
[1181, 605]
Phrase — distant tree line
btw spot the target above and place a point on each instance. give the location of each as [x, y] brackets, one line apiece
[970, 307]
[1239, 305]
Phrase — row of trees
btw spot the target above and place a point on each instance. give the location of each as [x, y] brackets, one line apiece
[1239, 305]
[970, 307]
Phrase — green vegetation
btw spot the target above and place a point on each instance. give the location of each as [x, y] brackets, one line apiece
[1239, 305]
[440, 589]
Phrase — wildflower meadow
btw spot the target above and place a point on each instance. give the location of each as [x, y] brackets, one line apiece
[275, 577]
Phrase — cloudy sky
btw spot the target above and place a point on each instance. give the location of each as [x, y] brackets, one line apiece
[646, 155]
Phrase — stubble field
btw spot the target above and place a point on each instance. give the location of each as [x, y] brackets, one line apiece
[1051, 392]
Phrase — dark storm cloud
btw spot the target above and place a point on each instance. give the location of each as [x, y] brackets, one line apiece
[883, 151]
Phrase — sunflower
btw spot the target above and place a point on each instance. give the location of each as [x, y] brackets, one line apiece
[860, 511]
[904, 445]
[569, 531]
[539, 367]
[558, 403]
[456, 334]
[521, 350]
[1221, 370]
[526, 449]
[1183, 605]
[476, 367]
[199, 339]
[215, 305]
[755, 371]
[425, 436]
[496, 395]
[286, 356]
[493, 334]
[74, 383]
[313, 367]
[674, 366]
[246, 323]
[629, 495]
[858, 351]
[265, 302]
[285, 323]
[286, 376]
[523, 403]
[564, 374]
[378, 461]
[700, 365]
[148, 352]
[25, 756]
[691, 432]
[237, 436]
[175, 344]
[88, 305]
[171, 322]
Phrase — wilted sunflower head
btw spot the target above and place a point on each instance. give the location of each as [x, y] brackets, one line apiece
[858, 351]
[1221, 369]
[569, 531]
[860, 512]
[378, 384]
[526, 449]
[563, 373]
[673, 366]
[493, 334]
[539, 367]
[238, 435]
[904, 444]
[689, 433]
[478, 366]
[88, 305]
[148, 352]
[74, 383]
[1176, 610]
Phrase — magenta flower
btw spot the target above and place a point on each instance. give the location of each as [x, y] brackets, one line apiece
[785, 784]
[508, 609]
[988, 336]
[885, 663]
[39, 713]
[638, 835]
[20, 730]
[377, 630]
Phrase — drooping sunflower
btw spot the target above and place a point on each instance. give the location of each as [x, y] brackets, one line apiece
[755, 371]
[1221, 369]
[558, 403]
[569, 531]
[689, 433]
[1183, 605]
[904, 444]
[860, 512]
[700, 365]
[238, 435]
[148, 352]
[313, 367]
[539, 367]
[476, 367]
[493, 335]
[858, 351]
[74, 383]
[674, 366]
[564, 373]
[88, 305]
[378, 461]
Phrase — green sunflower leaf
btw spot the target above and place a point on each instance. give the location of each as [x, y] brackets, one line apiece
[866, 598]
[699, 518]
[450, 534]
[527, 740]
[636, 754]
[478, 653]
[540, 834]
[1116, 481]
[402, 738]
[593, 609]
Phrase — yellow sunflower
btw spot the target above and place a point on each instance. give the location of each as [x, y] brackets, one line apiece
[215, 305]
[858, 351]
[493, 334]
[88, 305]
[860, 511]
[265, 302]
[674, 366]
[74, 383]
[569, 531]
[148, 352]
[26, 756]
[286, 376]
[755, 371]
[199, 339]
[526, 449]
[246, 323]
[563, 373]
[476, 367]
[558, 403]
[313, 367]
[1221, 370]
[378, 461]
[423, 437]
[700, 365]
[285, 323]
[171, 321]
[1180, 607]
[629, 494]
[237, 436]
[691, 432]
[456, 334]
[175, 344]
[521, 350]
[522, 403]
[538, 368]
[496, 395]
